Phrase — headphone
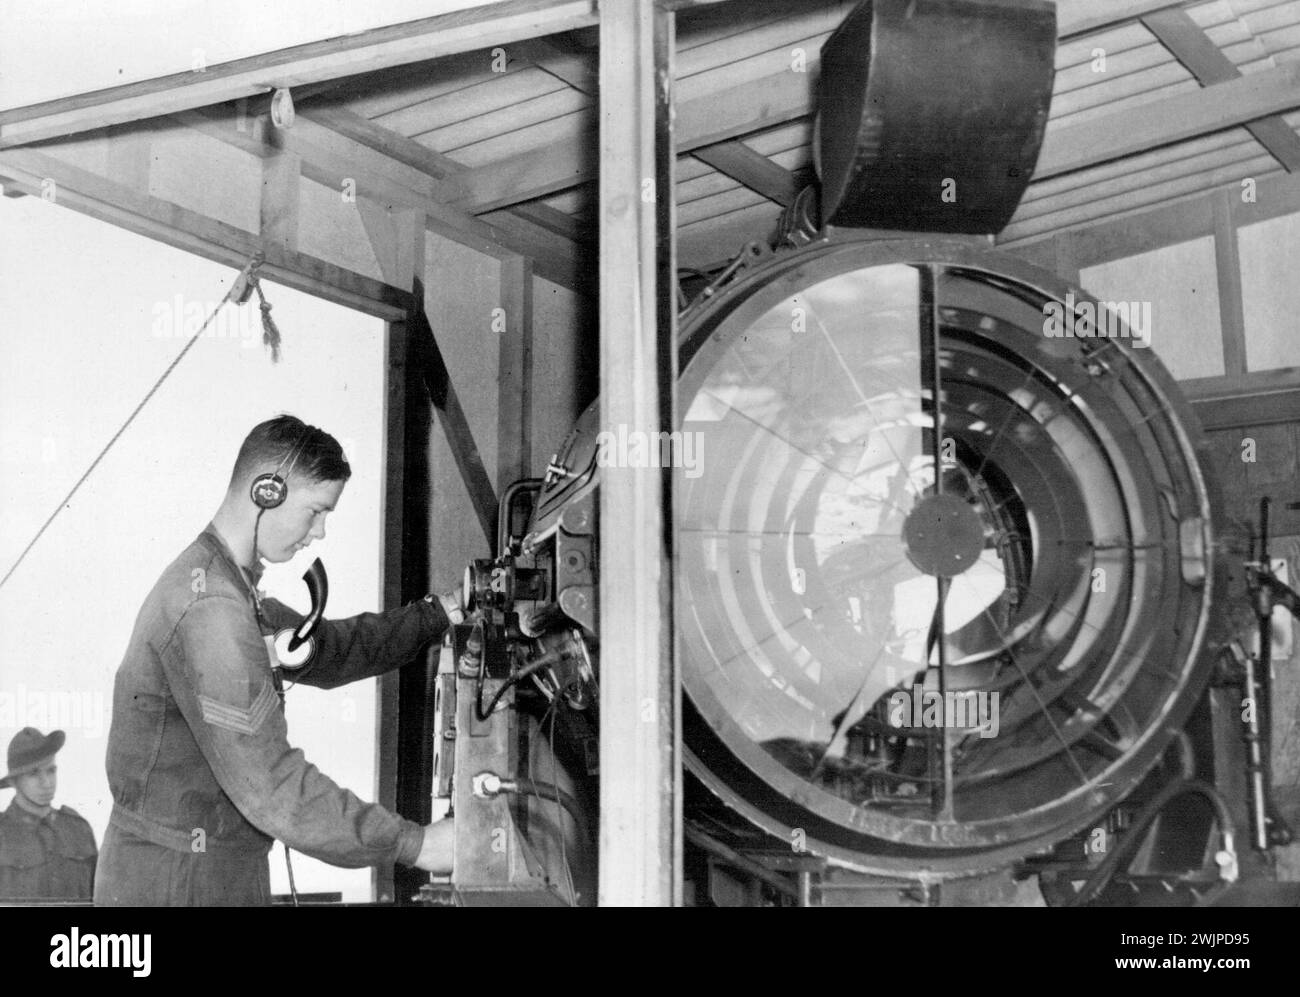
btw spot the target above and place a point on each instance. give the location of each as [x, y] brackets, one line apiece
[270, 490]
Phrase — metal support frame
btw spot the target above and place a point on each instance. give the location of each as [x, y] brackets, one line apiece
[640, 826]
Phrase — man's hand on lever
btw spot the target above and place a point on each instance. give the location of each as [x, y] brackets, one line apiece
[436, 852]
[452, 604]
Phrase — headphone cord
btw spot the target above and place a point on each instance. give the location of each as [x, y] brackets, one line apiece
[279, 690]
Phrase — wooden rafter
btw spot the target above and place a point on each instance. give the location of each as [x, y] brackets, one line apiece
[147, 215]
[550, 236]
[397, 173]
[560, 246]
[1173, 119]
[703, 121]
[546, 217]
[714, 119]
[577, 69]
[383, 140]
[366, 51]
[432, 368]
[732, 158]
[751, 168]
[1073, 22]
[1189, 44]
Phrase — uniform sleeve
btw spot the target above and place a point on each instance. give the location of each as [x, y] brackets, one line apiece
[220, 677]
[366, 645]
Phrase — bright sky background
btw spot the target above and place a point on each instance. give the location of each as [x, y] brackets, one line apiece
[85, 311]
[55, 48]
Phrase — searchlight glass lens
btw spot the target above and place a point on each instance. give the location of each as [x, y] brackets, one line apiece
[831, 506]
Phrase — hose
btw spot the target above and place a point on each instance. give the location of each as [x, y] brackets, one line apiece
[483, 712]
[489, 784]
[1150, 810]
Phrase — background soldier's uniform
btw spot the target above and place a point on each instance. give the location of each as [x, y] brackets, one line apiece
[199, 764]
[45, 858]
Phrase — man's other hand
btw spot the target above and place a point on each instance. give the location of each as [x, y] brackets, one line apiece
[436, 852]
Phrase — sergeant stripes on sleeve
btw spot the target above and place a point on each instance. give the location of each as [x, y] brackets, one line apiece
[233, 718]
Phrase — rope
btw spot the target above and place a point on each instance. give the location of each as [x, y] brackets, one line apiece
[239, 288]
[270, 332]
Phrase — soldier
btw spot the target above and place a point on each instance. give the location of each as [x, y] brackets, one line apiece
[199, 763]
[46, 852]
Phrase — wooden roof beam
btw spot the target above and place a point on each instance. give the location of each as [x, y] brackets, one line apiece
[1076, 20]
[366, 51]
[197, 233]
[1189, 44]
[720, 117]
[1173, 119]
[700, 122]
[753, 169]
[575, 68]
[332, 144]
[383, 140]
[435, 164]
[538, 231]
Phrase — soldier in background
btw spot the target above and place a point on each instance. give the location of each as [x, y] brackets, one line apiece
[46, 852]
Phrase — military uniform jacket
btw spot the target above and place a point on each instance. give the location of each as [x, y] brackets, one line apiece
[199, 765]
[45, 858]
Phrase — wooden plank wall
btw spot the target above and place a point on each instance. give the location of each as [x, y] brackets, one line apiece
[1254, 461]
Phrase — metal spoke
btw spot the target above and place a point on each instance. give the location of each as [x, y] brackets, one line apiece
[718, 531]
[872, 569]
[799, 450]
[932, 370]
[1006, 646]
[782, 628]
[856, 387]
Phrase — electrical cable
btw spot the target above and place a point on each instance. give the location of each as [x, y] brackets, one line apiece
[1150, 810]
[559, 819]
[529, 787]
[514, 678]
[288, 863]
[239, 284]
[280, 689]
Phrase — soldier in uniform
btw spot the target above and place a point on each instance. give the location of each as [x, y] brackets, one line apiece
[46, 852]
[199, 763]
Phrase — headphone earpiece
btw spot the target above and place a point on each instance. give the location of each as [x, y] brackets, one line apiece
[270, 490]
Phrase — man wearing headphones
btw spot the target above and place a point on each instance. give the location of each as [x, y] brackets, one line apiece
[201, 771]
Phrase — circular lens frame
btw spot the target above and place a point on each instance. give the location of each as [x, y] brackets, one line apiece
[1077, 456]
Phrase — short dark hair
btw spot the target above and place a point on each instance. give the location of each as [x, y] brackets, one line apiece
[305, 451]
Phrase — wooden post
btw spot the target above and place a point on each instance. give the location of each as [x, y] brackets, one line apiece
[400, 736]
[515, 378]
[639, 755]
[1232, 321]
[386, 695]
[281, 172]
